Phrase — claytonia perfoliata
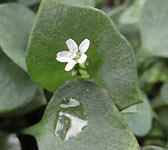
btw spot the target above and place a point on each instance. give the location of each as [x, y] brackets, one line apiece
[75, 54]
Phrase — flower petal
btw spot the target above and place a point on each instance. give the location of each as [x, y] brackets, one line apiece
[72, 46]
[84, 46]
[70, 65]
[64, 56]
[82, 59]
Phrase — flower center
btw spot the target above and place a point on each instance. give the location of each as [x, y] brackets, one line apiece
[78, 55]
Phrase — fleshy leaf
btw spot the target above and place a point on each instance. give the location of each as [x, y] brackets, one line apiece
[131, 15]
[74, 2]
[16, 89]
[140, 122]
[132, 109]
[110, 56]
[105, 126]
[37, 101]
[154, 28]
[130, 28]
[79, 2]
[15, 25]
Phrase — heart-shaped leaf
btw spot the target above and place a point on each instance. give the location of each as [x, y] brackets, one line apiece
[10, 142]
[110, 56]
[154, 28]
[140, 122]
[16, 89]
[15, 25]
[82, 116]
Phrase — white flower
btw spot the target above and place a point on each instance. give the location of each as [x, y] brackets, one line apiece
[75, 54]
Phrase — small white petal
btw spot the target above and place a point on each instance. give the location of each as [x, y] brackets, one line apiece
[64, 56]
[70, 65]
[84, 46]
[82, 59]
[72, 46]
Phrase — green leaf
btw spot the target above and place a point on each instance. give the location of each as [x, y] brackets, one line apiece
[132, 109]
[152, 148]
[126, 18]
[10, 142]
[131, 15]
[110, 56]
[154, 28]
[115, 13]
[106, 128]
[77, 2]
[140, 122]
[16, 89]
[164, 92]
[14, 31]
[29, 2]
[37, 101]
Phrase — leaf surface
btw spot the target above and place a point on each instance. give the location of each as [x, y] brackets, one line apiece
[15, 25]
[110, 56]
[78, 2]
[106, 128]
[140, 122]
[154, 28]
[16, 88]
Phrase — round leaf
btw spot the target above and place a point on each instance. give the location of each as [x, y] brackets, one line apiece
[106, 128]
[140, 122]
[16, 89]
[131, 15]
[111, 59]
[15, 25]
[154, 28]
[37, 101]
